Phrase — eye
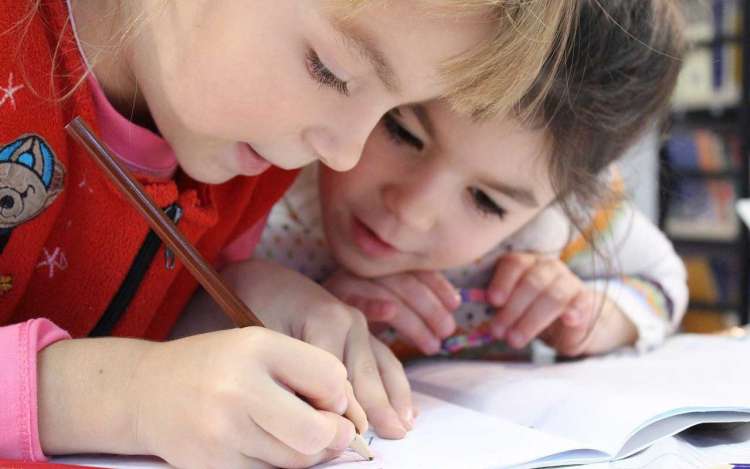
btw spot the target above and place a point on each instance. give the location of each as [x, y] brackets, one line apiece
[485, 204]
[25, 193]
[323, 75]
[399, 134]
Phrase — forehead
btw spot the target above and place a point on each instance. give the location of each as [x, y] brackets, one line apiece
[417, 38]
[500, 148]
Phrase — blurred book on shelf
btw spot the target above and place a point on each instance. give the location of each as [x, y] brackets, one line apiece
[710, 278]
[703, 163]
[702, 209]
[706, 19]
[711, 75]
[714, 292]
[703, 149]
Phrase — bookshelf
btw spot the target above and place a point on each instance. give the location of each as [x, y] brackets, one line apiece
[704, 161]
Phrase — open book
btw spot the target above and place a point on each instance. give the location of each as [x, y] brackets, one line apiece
[494, 415]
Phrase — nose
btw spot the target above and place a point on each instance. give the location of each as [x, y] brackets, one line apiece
[413, 203]
[7, 202]
[339, 144]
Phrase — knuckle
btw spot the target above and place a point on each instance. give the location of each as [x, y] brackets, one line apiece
[557, 296]
[534, 280]
[315, 440]
[368, 367]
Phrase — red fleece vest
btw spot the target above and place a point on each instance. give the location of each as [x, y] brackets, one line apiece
[71, 247]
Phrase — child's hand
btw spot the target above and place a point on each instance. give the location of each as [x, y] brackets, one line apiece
[231, 399]
[575, 335]
[291, 303]
[418, 305]
[531, 292]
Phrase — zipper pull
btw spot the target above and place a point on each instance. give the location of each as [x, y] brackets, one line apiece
[174, 212]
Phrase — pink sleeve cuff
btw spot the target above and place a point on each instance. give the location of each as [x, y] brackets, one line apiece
[19, 426]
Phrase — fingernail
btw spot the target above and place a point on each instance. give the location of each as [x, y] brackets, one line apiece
[516, 339]
[433, 347]
[342, 405]
[449, 325]
[455, 299]
[408, 419]
[498, 330]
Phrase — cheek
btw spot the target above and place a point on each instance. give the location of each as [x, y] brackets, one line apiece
[467, 240]
[248, 86]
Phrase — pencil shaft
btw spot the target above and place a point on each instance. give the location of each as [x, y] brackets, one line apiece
[237, 311]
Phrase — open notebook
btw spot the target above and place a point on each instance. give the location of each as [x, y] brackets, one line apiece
[491, 415]
[477, 415]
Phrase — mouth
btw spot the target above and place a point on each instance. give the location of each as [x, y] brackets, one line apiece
[369, 242]
[249, 162]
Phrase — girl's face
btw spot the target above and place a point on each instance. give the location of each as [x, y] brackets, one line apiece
[235, 86]
[434, 190]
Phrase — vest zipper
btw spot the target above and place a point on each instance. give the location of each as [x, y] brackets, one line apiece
[129, 287]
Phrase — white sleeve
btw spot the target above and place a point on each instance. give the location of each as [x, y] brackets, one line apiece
[637, 266]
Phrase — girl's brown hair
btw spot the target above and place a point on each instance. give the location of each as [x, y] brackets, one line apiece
[620, 68]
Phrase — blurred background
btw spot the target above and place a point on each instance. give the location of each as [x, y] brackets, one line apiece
[690, 179]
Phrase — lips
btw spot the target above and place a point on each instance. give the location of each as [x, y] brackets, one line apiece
[369, 242]
[249, 162]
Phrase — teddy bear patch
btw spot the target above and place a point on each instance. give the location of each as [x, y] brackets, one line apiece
[30, 180]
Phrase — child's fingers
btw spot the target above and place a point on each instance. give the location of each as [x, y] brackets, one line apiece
[368, 385]
[548, 306]
[355, 412]
[331, 330]
[572, 332]
[410, 325]
[528, 288]
[396, 384]
[257, 441]
[273, 407]
[378, 310]
[508, 272]
[441, 287]
[419, 298]
[311, 372]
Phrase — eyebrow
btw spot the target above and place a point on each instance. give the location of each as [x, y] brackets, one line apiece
[519, 194]
[367, 48]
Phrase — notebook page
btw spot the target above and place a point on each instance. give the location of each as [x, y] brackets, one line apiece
[447, 436]
[599, 402]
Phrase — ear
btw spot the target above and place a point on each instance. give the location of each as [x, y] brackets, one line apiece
[56, 185]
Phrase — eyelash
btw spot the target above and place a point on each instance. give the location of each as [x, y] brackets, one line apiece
[481, 201]
[323, 75]
[399, 134]
[485, 204]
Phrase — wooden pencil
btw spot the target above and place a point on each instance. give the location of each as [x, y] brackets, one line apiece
[204, 272]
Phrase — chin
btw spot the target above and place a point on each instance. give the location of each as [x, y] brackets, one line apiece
[207, 177]
[363, 267]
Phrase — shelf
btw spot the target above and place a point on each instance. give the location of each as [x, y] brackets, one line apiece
[721, 117]
[718, 40]
[714, 306]
[703, 244]
[702, 174]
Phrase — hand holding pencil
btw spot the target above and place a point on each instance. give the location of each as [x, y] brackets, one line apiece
[275, 425]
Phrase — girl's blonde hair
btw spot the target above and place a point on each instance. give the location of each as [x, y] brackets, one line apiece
[526, 47]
